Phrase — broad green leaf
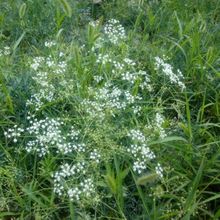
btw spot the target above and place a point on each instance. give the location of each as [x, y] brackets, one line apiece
[168, 139]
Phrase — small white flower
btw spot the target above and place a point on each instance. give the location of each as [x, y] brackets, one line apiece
[167, 69]
[95, 156]
[98, 78]
[136, 135]
[94, 24]
[6, 51]
[50, 44]
[159, 170]
[114, 31]
[14, 133]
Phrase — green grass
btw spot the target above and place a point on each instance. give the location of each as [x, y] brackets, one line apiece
[81, 82]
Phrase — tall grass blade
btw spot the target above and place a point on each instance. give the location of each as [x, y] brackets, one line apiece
[67, 8]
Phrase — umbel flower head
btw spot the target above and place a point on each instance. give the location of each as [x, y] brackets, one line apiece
[114, 31]
[167, 69]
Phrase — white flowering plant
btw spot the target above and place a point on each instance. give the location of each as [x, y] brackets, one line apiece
[109, 110]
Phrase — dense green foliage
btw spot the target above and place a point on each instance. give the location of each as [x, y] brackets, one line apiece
[109, 109]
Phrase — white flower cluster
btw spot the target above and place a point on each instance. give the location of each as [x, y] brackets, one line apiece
[69, 147]
[167, 69]
[46, 135]
[129, 62]
[58, 68]
[37, 62]
[159, 170]
[95, 156]
[159, 120]
[43, 96]
[14, 133]
[141, 153]
[122, 66]
[136, 135]
[66, 171]
[85, 190]
[132, 77]
[46, 69]
[157, 125]
[114, 31]
[146, 82]
[94, 109]
[70, 181]
[137, 110]
[49, 63]
[94, 24]
[118, 66]
[114, 97]
[74, 134]
[126, 68]
[74, 193]
[103, 59]
[6, 51]
[49, 44]
[41, 78]
[108, 98]
[107, 59]
[98, 79]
